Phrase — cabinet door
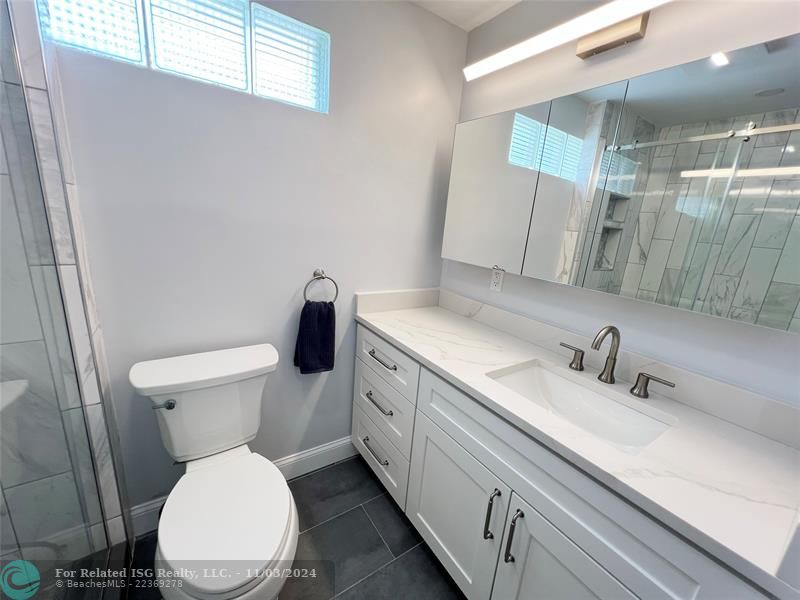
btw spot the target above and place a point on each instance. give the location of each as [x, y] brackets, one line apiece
[458, 506]
[490, 198]
[538, 562]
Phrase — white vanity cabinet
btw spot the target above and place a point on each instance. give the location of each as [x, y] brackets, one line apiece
[469, 473]
[538, 561]
[458, 506]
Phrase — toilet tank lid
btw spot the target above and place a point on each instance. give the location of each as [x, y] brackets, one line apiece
[206, 369]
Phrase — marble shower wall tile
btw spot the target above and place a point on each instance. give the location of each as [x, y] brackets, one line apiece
[50, 167]
[779, 305]
[19, 321]
[103, 460]
[82, 465]
[656, 263]
[79, 332]
[31, 432]
[642, 237]
[756, 277]
[48, 519]
[788, 270]
[8, 66]
[720, 295]
[682, 242]
[25, 182]
[778, 214]
[630, 282]
[8, 540]
[773, 119]
[29, 43]
[656, 184]
[670, 213]
[753, 194]
[59, 351]
[738, 241]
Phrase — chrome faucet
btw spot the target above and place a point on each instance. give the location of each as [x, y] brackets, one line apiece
[607, 374]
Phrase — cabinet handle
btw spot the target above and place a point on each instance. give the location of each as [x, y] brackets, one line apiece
[509, 558]
[385, 463]
[385, 365]
[371, 398]
[488, 535]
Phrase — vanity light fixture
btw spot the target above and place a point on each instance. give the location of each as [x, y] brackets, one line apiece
[719, 59]
[594, 20]
[725, 173]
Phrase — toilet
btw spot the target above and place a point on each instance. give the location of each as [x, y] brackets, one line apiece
[229, 526]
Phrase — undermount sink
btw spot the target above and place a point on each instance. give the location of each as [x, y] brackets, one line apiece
[630, 426]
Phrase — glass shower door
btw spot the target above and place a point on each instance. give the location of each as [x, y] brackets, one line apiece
[50, 510]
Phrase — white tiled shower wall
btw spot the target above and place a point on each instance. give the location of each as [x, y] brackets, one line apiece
[87, 376]
[753, 273]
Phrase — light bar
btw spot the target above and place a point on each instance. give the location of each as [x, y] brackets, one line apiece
[719, 59]
[725, 173]
[594, 20]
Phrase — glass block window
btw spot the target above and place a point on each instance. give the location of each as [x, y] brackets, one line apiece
[291, 60]
[234, 43]
[109, 27]
[204, 39]
[557, 154]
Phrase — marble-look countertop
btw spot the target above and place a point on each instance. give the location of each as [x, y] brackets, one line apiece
[734, 493]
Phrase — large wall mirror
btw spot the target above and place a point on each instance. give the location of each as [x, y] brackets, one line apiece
[679, 187]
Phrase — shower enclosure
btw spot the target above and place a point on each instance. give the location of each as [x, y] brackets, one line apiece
[52, 512]
[715, 217]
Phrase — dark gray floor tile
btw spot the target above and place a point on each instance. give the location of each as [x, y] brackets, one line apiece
[333, 490]
[144, 555]
[392, 524]
[416, 575]
[342, 550]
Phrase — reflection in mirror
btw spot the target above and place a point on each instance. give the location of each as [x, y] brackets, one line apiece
[492, 183]
[705, 188]
[573, 167]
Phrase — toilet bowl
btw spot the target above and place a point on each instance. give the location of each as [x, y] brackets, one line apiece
[228, 530]
[229, 527]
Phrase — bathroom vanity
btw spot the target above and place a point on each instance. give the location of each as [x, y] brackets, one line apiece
[531, 480]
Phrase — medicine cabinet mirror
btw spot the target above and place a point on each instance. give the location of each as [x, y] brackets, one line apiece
[679, 187]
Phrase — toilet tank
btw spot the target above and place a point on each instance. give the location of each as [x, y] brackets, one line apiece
[209, 402]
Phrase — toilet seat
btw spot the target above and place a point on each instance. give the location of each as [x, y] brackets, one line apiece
[232, 511]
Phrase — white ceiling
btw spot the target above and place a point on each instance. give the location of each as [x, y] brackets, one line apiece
[466, 14]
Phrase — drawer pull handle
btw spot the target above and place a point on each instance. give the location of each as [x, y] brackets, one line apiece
[371, 398]
[488, 535]
[509, 558]
[385, 463]
[385, 365]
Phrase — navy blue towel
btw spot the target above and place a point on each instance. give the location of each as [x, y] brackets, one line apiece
[314, 350]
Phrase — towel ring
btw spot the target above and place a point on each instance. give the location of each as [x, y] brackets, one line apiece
[319, 274]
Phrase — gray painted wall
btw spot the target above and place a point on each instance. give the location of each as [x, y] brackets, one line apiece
[207, 210]
[757, 358]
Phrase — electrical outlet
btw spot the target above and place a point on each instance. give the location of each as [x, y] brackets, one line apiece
[496, 282]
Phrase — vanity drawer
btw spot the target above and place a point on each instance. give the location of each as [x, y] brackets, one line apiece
[400, 371]
[388, 409]
[646, 557]
[386, 460]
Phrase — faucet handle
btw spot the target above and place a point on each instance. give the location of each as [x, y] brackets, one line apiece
[643, 380]
[577, 357]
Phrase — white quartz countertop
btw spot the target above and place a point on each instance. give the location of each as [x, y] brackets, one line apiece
[734, 493]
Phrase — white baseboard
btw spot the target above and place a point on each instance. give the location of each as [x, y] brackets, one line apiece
[312, 459]
[145, 515]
